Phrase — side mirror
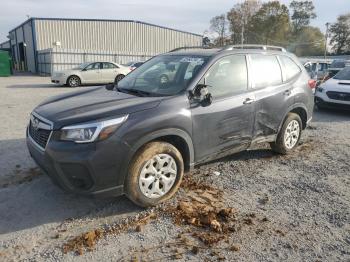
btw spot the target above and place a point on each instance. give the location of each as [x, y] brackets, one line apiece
[109, 87]
[202, 95]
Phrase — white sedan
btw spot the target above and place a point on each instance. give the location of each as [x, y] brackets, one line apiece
[91, 73]
[335, 92]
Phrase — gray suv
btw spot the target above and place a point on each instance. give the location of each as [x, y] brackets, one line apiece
[138, 136]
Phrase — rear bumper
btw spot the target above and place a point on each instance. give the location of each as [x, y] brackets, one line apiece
[88, 169]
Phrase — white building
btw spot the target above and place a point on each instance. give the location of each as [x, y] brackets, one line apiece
[63, 43]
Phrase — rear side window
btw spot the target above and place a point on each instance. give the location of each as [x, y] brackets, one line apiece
[290, 67]
[228, 76]
[266, 70]
[109, 66]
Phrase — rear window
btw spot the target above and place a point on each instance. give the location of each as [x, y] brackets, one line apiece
[290, 67]
[266, 70]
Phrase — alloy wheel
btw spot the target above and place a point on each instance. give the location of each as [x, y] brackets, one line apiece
[158, 175]
[292, 133]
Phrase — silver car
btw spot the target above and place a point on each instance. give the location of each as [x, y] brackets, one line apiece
[91, 73]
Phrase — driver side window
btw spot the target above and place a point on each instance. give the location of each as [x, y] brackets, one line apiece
[228, 76]
[93, 66]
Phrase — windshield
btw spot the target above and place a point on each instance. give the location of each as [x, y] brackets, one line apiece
[82, 66]
[164, 75]
[343, 74]
[337, 64]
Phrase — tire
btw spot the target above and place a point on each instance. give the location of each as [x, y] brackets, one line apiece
[139, 187]
[118, 78]
[284, 145]
[73, 81]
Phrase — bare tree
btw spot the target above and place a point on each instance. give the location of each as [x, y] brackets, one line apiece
[218, 25]
[239, 18]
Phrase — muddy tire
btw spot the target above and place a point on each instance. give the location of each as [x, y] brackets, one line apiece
[155, 174]
[289, 135]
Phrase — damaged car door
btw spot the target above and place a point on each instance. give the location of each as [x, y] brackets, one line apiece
[273, 96]
[226, 125]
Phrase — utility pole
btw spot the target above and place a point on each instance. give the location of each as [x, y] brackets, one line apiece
[242, 31]
[326, 41]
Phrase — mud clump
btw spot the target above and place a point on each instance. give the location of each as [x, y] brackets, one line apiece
[87, 240]
[22, 176]
[204, 208]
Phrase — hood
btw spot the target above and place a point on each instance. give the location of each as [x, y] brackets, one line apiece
[337, 85]
[91, 104]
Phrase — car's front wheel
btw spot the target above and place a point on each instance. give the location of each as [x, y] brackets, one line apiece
[73, 81]
[289, 135]
[155, 174]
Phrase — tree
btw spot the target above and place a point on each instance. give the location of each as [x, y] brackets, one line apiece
[302, 13]
[218, 25]
[340, 34]
[309, 42]
[271, 24]
[239, 18]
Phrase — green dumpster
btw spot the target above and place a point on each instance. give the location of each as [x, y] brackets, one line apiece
[5, 65]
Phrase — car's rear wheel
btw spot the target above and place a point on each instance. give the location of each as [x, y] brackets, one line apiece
[118, 78]
[73, 81]
[155, 174]
[289, 135]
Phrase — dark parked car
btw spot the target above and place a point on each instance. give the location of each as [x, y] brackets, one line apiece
[336, 66]
[139, 137]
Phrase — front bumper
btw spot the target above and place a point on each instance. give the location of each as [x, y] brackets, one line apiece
[61, 80]
[90, 169]
[322, 99]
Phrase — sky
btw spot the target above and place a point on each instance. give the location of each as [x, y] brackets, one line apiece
[187, 15]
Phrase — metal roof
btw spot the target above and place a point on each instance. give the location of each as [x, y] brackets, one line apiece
[102, 20]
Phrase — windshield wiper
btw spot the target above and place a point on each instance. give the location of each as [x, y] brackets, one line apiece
[134, 91]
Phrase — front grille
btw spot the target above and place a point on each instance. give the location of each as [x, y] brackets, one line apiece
[38, 134]
[338, 96]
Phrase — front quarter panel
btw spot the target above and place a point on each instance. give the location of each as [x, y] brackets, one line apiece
[171, 117]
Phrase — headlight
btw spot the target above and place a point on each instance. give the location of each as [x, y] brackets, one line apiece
[89, 132]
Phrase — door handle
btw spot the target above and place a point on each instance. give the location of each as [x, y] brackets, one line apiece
[287, 92]
[248, 101]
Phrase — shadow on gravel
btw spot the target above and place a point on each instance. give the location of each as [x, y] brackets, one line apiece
[245, 155]
[48, 85]
[330, 116]
[39, 202]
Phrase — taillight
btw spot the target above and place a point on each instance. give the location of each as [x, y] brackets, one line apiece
[312, 83]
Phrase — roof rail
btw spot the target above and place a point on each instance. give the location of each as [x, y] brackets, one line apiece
[189, 47]
[263, 47]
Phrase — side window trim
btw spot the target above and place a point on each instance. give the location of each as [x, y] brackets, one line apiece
[284, 69]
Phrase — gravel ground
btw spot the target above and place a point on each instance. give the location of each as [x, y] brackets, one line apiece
[290, 208]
